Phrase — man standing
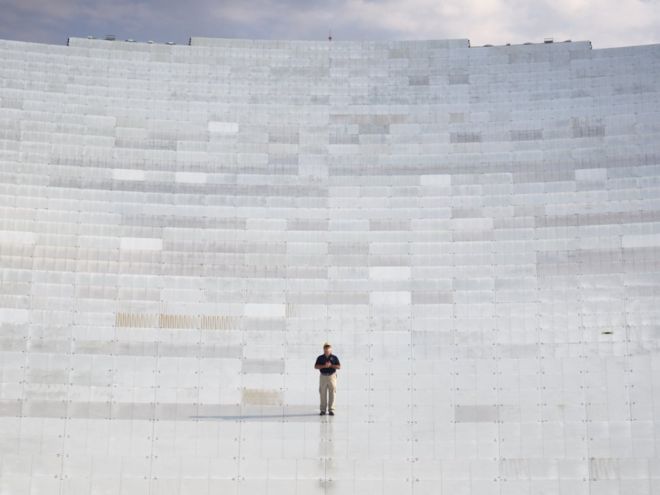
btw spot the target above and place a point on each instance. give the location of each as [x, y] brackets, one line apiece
[328, 364]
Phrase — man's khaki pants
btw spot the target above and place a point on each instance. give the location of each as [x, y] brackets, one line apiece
[327, 389]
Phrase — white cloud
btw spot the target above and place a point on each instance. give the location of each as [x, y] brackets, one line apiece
[604, 22]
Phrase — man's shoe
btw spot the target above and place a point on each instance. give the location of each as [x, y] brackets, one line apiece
[332, 413]
[323, 413]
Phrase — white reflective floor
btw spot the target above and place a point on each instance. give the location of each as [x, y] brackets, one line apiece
[476, 231]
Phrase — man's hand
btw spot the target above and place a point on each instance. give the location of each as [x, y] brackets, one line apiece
[328, 364]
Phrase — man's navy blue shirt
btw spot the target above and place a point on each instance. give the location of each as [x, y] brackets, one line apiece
[322, 359]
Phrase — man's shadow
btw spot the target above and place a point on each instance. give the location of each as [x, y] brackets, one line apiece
[258, 417]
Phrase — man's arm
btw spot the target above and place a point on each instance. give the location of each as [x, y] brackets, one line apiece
[319, 365]
[338, 365]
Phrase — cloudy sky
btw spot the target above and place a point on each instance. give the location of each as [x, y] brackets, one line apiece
[604, 22]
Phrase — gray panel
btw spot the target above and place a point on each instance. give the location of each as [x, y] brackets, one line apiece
[475, 229]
